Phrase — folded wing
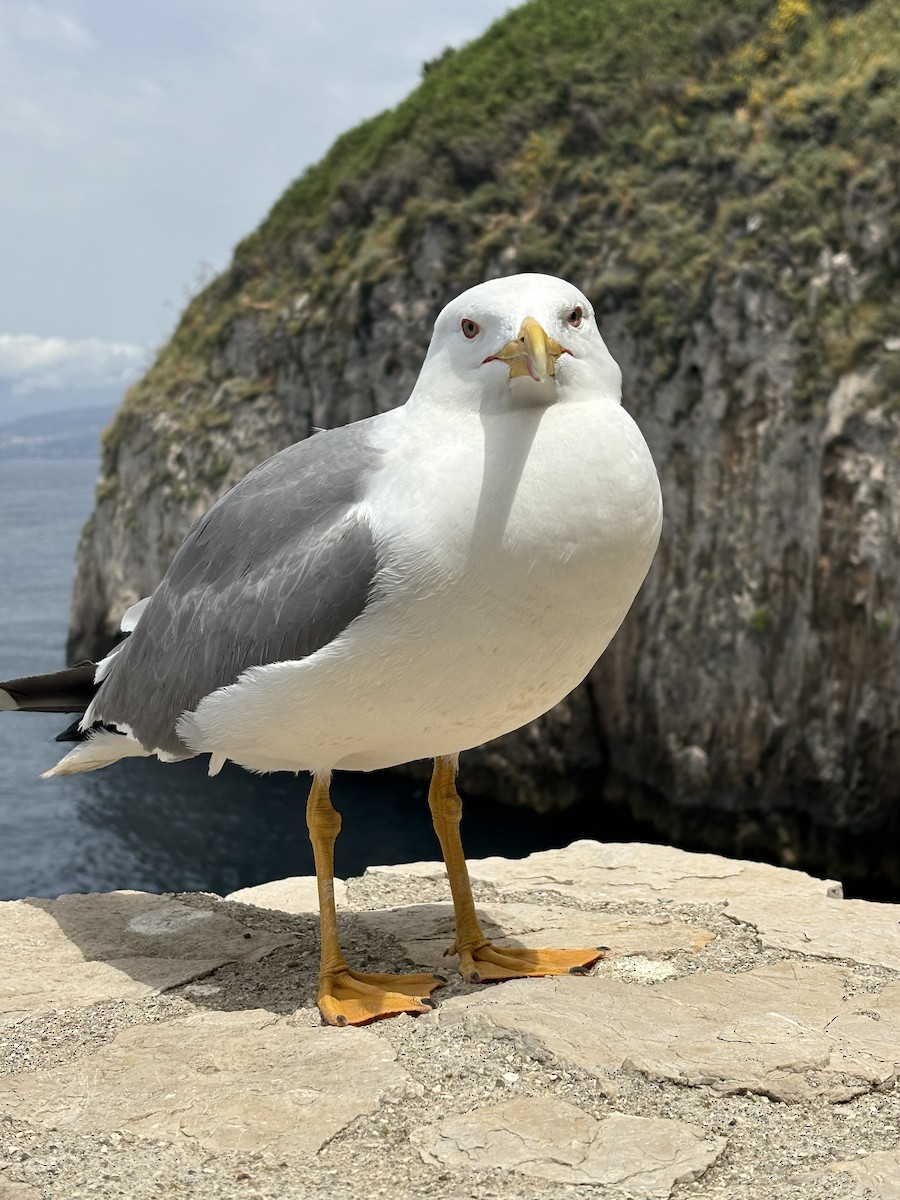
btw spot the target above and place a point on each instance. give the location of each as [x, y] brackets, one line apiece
[276, 569]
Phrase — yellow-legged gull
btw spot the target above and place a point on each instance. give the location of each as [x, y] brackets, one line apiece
[405, 587]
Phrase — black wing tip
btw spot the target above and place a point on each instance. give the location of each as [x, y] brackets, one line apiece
[67, 691]
[74, 732]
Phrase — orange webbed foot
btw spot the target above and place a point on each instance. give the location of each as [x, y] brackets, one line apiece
[488, 963]
[349, 997]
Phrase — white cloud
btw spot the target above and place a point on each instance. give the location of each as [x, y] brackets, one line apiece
[29, 362]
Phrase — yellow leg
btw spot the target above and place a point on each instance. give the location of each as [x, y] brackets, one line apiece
[349, 997]
[479, 960]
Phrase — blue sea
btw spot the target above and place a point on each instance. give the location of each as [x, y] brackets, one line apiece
[141, 824]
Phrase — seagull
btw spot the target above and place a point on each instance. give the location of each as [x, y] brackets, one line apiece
[405, 587]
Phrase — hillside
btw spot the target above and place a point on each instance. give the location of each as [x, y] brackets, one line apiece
[69, 433]
[724, 184]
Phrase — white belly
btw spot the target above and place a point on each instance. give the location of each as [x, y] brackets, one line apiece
[511, 557]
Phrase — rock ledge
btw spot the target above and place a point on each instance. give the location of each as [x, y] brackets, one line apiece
[740, 1039]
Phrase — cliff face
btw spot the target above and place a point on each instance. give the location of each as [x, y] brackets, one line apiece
[725, 189]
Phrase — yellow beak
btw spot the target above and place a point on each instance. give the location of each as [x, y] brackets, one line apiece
[531, 352]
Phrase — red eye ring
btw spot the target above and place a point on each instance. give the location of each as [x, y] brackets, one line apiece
[469, 327]
[575, 317]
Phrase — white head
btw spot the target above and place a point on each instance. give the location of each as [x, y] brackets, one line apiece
[522, 341]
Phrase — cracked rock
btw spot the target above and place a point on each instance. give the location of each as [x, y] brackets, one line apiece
[876, 1176]
[426, 930]
[228, 1080]
[617, 871]
[549, 1139]
[855, 930]
[791, 1031]
[79, 950]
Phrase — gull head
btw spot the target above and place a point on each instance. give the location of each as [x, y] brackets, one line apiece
[520, 341]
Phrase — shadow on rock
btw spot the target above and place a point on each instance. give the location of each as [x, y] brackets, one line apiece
[87, 949]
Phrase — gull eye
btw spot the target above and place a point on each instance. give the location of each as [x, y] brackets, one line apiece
[576, 317]
[469, 327]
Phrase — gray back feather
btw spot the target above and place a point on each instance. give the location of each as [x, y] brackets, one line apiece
[276, 569]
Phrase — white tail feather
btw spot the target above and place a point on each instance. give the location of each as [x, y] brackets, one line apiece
[96, 751]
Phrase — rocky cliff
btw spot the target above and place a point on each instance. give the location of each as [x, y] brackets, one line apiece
[724, 185]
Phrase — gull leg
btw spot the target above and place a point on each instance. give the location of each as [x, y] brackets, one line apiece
[348, 997]
[479, 960]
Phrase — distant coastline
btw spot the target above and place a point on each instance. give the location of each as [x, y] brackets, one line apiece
[71, 433]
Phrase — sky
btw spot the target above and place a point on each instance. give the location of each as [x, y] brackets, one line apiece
[140, 142]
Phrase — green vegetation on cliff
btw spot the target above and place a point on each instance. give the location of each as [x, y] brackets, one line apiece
[651, 150]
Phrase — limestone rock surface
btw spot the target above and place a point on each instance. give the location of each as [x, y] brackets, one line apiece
[81, 949]
[288, 895]
[857, 929]
[555, 1141]
[425, 931]
[620, 872]
[791, 1031]
[875, 1176]
[227, 1080]
[149, 1047]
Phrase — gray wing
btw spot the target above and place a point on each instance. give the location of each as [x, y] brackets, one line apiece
[276, 569]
